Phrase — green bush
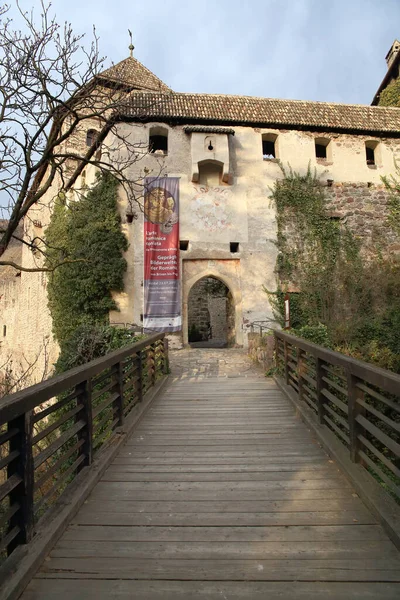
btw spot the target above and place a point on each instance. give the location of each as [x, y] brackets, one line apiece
[90, 341]
[317, 334]
[344, 301]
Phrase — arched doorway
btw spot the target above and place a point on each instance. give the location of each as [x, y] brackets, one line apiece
[211, 314]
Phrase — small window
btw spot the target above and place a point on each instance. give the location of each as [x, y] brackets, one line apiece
[91, 137]
[370, 155]
[373, 153]
[323, 149]
[269, 148]
[158, 141]
[4, 330]
[184, 245]
[320, 151]
[234, 247]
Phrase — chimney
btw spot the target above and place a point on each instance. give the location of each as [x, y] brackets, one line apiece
[393, 52]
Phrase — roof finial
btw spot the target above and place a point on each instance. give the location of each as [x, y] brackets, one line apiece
[131, 46]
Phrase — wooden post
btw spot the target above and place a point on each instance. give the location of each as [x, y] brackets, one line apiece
[165, 357]
[153, 364]
[140, 376]
[84, 396]
[286, 354]
[300, 371]
[355, 409]
[119, 402]
[24, 468]
[319, 374]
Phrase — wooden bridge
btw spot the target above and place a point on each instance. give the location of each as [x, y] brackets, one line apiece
[123, 483]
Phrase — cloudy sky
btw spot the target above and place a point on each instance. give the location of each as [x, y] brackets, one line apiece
[331, 50]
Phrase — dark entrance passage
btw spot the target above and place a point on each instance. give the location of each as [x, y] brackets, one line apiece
[211, 316]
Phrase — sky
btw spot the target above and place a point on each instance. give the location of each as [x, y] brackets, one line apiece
[328, 50]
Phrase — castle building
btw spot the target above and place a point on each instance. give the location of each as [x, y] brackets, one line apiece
[224, 152]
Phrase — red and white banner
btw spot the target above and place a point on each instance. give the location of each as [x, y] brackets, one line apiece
[162, 302]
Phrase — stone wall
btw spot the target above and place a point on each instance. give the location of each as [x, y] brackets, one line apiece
[261, 349]
[363, 208]
[207, 310]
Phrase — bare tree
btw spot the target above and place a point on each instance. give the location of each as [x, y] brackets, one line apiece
[51, 94]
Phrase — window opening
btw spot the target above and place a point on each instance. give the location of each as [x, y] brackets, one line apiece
[158, 141]
[210, 173]
[234, 247]
[268, 148]
[370, 155]
[91, 137]
[184, 245]
[4, 330]
[320, 150]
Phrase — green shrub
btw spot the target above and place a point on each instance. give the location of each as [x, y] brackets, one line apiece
[317, 334]
[85, 237]
[90, 341]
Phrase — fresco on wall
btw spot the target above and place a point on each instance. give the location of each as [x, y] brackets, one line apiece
[212, 208]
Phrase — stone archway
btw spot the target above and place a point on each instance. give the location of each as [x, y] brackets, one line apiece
[210, 310]
[228, 273]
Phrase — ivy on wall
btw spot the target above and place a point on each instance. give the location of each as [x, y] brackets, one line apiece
[390, 96]
[343, 300]
[87, 231]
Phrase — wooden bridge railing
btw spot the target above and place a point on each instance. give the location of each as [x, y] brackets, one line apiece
[51, 431]
[357, 401]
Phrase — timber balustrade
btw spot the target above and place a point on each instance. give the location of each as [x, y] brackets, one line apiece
[357, 401]
[51, 431]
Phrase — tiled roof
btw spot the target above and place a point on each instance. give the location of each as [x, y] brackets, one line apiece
[132, 74]
[208, 129]
[246, 110]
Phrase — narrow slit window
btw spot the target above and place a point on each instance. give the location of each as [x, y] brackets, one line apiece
[91, 137]
[4, 330]
[234, 247]
[184, 245]
[370, 155]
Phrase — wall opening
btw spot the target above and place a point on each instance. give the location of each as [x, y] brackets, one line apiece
[91, 137]
[210, 173]
[269, 146]
[323, 149]
[371, 153]
[184, 245]
[158, 140]
[211, 314]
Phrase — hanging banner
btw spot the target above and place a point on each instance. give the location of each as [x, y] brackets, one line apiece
[162, 302]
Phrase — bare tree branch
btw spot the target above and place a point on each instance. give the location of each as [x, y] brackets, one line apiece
[50, 96]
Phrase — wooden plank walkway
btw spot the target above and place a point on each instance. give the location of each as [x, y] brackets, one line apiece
[221, 493]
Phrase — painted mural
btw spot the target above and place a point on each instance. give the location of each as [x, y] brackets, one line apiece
[212, 208]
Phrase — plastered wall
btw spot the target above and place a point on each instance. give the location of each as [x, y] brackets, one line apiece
[211, 218]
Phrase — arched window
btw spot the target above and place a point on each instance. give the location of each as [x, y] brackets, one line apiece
[91, 137]
[158, 140]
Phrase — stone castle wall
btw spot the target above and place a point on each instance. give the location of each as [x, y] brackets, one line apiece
[211, 218]
[364, 208]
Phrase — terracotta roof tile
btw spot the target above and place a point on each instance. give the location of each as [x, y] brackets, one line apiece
[131, 73]
[247, 110]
